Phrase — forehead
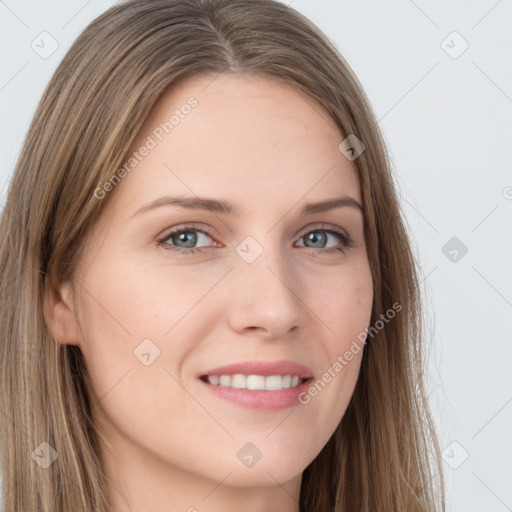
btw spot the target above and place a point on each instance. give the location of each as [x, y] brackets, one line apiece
[243, 138]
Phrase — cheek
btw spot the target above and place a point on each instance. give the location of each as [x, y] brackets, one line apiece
[131, 302]
[344, 302]
[130, 318]
[343, 305]
[137, 317]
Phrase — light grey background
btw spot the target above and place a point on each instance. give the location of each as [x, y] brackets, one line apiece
[447, 118]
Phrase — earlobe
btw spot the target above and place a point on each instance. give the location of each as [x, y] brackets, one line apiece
[59, 314]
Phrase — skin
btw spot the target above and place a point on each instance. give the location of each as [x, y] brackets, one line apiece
[167, 443]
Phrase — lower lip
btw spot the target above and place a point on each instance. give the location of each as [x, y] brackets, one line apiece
[260, 399]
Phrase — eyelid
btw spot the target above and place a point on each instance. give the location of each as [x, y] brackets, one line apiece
[211, 232]
[321, 226]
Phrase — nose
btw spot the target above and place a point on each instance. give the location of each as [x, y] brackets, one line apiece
[266, 299]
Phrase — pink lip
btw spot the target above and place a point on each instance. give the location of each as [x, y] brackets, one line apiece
[261, 400]
[263, 368]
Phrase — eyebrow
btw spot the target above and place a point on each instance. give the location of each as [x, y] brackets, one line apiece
[221, 206]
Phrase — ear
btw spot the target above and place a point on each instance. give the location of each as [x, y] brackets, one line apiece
[58, 310]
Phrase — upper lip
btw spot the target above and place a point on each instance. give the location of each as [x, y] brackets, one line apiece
[264, 368]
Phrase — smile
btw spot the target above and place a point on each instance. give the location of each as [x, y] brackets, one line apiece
[254, 382]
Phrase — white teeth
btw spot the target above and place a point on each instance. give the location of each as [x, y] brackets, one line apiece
[225, 380]
[238, 381]
[274, 382]
[214, 379]
[255, 382]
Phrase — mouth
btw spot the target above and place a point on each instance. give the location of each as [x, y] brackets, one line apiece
[254, 382]
[260, 385]
[257, 392]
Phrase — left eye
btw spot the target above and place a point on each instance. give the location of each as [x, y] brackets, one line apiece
[313, 237]
[189, 237]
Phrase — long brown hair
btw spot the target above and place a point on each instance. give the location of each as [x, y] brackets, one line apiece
[384, 455]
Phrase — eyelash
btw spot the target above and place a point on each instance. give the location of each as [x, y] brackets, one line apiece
[346, 240]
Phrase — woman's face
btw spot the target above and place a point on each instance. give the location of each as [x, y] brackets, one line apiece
[154, 311]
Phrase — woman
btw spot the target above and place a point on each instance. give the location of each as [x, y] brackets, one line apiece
[209, 297]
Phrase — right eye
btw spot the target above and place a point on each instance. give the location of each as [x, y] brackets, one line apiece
[186, 235]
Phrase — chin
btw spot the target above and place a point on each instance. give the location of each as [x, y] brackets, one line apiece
[263, 474]
[259, 477]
